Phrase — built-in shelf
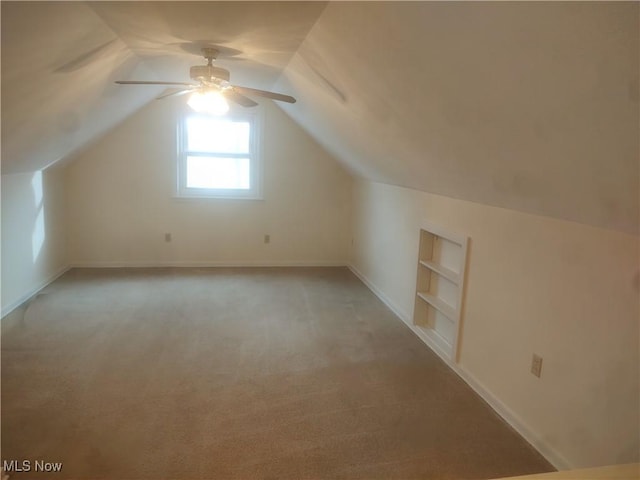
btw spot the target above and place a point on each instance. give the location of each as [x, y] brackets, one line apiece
[439, 305]
[439, 288]
[442, 342]
[445, 272]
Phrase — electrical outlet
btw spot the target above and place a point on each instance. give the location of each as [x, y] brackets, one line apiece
[167, 237]
[536, 365]
[267, 238]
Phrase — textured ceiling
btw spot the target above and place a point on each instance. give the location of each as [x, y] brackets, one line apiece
[528, 106]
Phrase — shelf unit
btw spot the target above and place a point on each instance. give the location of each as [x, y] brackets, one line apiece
[442, 259]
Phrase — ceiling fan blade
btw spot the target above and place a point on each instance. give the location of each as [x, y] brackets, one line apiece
[143, 82]
[239, 98]
[263, 93]
[175, 93]
[84, 59]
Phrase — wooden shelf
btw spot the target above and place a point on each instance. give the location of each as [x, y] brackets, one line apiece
[445, 272]
[439, 305]
[439, 288]
[443, 342]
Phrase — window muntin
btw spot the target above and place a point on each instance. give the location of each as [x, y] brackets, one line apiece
[218, 157]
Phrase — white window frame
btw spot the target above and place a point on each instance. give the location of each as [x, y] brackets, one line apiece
[255, 160]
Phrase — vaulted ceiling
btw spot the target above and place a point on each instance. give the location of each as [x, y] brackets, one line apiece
[60, 61]
[529, 106]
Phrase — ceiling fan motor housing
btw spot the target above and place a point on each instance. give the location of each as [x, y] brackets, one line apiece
[209, 73]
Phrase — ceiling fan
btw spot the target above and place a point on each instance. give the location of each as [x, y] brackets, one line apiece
[212, 89]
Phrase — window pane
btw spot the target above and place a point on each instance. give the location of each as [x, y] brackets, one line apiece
[217, 136]
[218, 172]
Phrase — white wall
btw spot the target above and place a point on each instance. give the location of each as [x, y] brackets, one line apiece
[33, 233]
[120, 201]
[567, 291]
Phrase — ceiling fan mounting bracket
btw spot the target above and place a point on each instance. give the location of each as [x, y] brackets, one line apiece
[209, 74]
[210, 54]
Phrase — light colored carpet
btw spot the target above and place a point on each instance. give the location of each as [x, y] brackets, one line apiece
[237, 373]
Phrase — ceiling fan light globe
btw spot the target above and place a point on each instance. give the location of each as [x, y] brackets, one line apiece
[212, 103]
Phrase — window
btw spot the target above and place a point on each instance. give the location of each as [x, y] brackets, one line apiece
[218, 157]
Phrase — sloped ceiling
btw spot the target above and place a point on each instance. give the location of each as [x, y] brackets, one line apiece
[60, 59]
[528, 106]
[525, 105]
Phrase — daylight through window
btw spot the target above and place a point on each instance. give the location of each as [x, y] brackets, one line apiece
[218, 157]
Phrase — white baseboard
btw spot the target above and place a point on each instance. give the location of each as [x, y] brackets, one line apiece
[378, 293]
[548, 452]
[551, 455]
[198, 264]
[7, 309]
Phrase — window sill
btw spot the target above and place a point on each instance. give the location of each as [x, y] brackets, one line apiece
[181, 197]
